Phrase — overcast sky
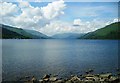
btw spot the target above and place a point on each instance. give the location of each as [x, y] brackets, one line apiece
[58, 16]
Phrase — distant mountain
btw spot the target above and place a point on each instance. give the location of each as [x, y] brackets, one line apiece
[108, 32]
[9, 32]
[67, 35]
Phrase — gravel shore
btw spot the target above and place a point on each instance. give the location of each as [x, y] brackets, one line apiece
[86, 78]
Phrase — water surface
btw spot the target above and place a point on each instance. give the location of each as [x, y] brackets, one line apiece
[57, 56]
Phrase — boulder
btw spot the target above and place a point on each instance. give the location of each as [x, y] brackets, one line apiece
[41, 81]
[46, 76]
[113, 78]
[53, 79]
[34, 80]
[75, 78]
[46, 79]
[107, 75]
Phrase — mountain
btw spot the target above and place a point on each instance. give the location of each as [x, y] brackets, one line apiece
[67, 35]
[9, 32]
[40, 35]
[108, 32]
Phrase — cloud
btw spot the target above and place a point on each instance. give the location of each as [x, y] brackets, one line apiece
[24, 4]
[7, 12]
[8, 9]
[29, 16]
[43, 19]
[56, 27]
[53, 10]
[77, 22]
[115, 20]
[112, 21]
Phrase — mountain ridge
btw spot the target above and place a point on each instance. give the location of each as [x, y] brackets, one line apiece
[108, 32]
[9, 32]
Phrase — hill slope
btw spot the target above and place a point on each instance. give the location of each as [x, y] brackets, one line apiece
[109, 32]
[40, 35]
[9, 32]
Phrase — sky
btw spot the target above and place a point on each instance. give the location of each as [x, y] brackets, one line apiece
[59, 16]
[65, 0]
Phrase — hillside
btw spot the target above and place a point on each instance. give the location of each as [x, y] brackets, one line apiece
[9, 32]
[108, 32]
[40, 35]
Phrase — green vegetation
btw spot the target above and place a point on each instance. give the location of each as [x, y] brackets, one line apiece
[109, 32]
[9, 32]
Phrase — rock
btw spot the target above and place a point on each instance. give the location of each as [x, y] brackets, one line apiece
[75, 78]
[53, 79]
[97, 75]
[46, 76]
[34, 80]
[59, 81]
[90, 78]
[46, 79]
[69, 81]
[55, 75]
[118, 73]
[41, 81]
[87, 78]
[96, 78]
[113, 78]
[87, 72]
[102, 80]
[89, 75]
[88, 81]
[107, 75]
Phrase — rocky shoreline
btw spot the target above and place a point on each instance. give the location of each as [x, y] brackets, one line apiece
[86, 78]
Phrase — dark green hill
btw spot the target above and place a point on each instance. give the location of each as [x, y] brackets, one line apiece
[9, 32]
[111, 31]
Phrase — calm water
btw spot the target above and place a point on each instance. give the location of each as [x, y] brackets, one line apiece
[62, 57]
